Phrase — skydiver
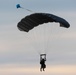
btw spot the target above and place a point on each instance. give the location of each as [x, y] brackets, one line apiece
[42, 61]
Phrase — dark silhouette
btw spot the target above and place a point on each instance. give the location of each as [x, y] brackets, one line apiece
[33, 20]
[42, 61]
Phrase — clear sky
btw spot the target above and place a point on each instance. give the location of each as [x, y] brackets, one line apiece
[18, 51]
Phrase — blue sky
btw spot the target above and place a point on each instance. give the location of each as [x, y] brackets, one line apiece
[17, 51]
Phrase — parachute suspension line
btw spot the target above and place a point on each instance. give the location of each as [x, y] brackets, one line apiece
[56, 33]
[44, 33]
[27, 9]
[43, 38]
[46, 38]
[40, 33]
[31, 21]
[39, 38]
[35, 41]
[49, 37]
[32, 36]
[52, 36]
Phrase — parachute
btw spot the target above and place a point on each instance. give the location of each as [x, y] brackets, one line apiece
[29, 22]
[41, 34]
[18, 6]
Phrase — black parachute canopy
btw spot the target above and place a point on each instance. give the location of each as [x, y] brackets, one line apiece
[33, 20]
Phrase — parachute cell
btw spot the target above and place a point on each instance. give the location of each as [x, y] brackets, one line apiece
[33, 20]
